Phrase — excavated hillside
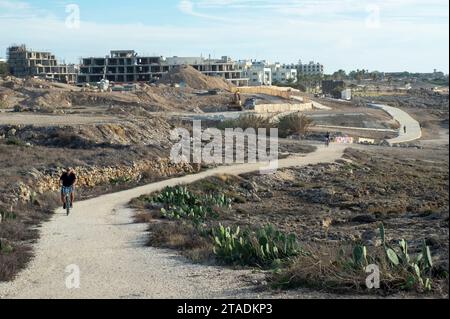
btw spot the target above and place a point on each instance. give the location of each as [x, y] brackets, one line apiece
[37, 95]
[194, 79]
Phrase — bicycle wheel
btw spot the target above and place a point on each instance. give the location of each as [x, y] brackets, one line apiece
[68, 204]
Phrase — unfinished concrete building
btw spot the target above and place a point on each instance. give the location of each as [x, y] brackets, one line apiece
[23, 63]
[120, 66]
[224, 67]
[123, 66]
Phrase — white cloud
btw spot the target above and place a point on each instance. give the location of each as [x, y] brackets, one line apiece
[403, 10]
[10, 9]
[13, 5]
[187, 7]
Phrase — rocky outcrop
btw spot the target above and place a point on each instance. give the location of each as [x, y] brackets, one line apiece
[148, 131]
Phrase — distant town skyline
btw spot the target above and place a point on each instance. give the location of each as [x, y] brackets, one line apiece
[382, 35]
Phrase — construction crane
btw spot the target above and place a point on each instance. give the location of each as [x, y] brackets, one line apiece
[105, 70]
[103, 85]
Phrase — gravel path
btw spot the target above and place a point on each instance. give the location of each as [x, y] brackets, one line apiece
[51, 120]
[100, 238]
[413, 129]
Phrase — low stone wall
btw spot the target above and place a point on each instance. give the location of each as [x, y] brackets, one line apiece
[281, 108]
[267, 90]
[89, 177]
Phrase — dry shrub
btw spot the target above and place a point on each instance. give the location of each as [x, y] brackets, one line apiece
[330, 269]
[64, 138]
[18, 229]
[144, 217]
[183, 237]
[295, 124]
[11, 262]
[248, 122]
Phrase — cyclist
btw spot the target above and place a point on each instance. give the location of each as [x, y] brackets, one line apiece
[67, 182]
[327, 139]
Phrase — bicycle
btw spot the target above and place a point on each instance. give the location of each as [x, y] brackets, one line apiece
[67, 191]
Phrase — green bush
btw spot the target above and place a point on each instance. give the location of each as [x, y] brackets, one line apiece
[412, 272]
[5, 215]
[5, 247]
[264, 247]
[418, 268]
[14, 141]
[180, 203]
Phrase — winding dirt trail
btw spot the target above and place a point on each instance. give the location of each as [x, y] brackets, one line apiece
[101, 239]
[413, 130]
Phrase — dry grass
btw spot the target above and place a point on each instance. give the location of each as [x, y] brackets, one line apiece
[144, 217]
[11, 262]
[18, 230]
[182, 237]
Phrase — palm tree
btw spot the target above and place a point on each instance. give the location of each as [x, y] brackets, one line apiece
[340, 75]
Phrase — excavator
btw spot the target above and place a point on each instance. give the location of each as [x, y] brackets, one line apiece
[236, 103]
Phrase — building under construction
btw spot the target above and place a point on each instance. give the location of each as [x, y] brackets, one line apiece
[23, 63]
[127, 66]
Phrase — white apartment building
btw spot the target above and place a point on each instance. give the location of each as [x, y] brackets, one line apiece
[311, 68]
[258, 73]
[283, 73]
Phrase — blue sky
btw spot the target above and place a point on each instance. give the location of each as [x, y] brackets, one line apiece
[385, 35]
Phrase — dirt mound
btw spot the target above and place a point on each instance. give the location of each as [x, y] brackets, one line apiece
[194, 79]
